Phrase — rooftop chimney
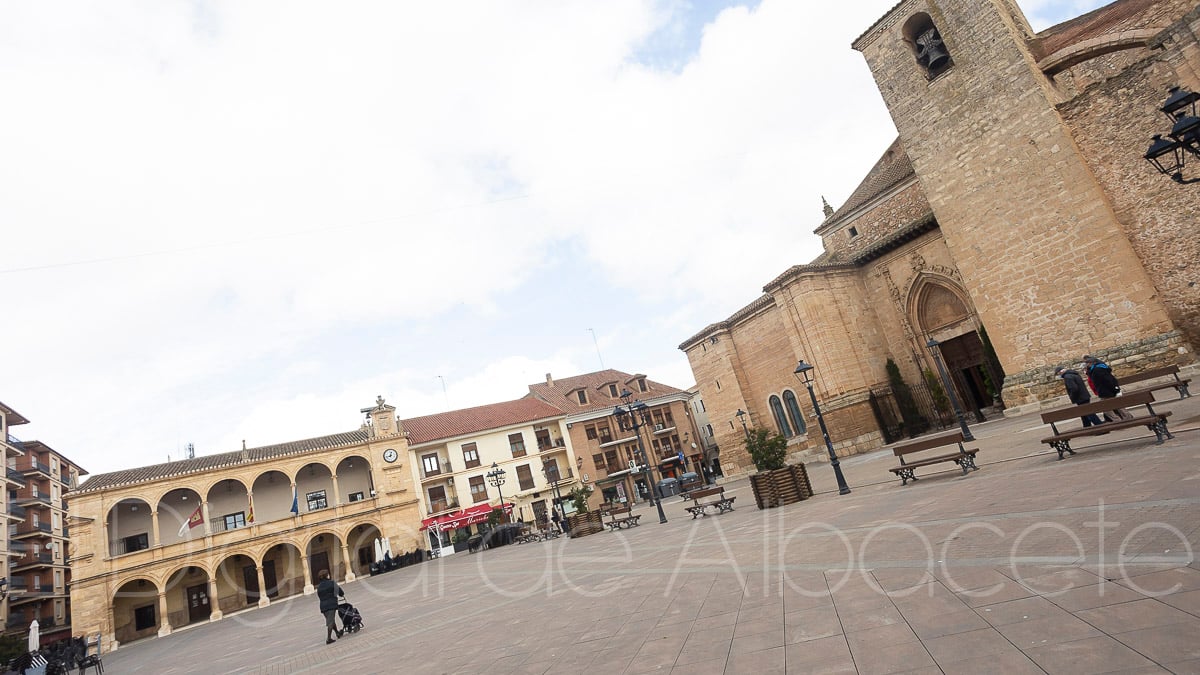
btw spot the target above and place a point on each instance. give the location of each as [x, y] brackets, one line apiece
[549, 380]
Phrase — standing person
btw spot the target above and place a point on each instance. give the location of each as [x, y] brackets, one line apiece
[1078, 393]
[1103, 382]
[328, 592]
[557, 520]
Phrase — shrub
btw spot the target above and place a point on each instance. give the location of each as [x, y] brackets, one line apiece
[766, 450]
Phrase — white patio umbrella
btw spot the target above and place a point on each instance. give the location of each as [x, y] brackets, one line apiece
[387, 546]
[35, 636]
[378, 550]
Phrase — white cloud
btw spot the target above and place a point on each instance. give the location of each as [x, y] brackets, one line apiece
[295, 211]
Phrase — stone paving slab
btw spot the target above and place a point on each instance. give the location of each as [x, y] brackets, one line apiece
[1028, 565]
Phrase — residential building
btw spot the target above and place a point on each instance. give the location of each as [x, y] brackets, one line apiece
[604, 453]
[37, 549]
[451, 454]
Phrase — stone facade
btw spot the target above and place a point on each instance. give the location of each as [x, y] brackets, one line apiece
[1015, 199]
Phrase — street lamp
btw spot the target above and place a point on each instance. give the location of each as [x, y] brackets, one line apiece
[741, 415]
[949, 386]
[557, 493]
[1169, 155]
[632, 417]
[804, 373]
[496, 478]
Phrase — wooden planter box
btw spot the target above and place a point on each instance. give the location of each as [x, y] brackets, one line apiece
[583, 524]
[781, 486]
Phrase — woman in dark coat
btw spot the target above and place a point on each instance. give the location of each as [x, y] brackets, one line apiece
[1103, 382]
[1077, 392]
[328, 592]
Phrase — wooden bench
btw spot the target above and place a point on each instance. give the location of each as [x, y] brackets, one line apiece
[621, 517]
[1179, 385]
[964, 458]
[687, 487]
[1061, 440]
[720, 502]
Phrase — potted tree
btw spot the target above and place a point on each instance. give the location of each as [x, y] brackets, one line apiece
[584, 521]
[776, 483]
[460, 540]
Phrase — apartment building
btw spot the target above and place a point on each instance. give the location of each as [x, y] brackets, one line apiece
[453, 453]
[36, 560]
[605, 452]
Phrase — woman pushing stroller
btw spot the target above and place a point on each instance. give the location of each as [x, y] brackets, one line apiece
[328, 592]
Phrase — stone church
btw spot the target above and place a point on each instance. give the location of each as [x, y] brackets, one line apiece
[1013, 226]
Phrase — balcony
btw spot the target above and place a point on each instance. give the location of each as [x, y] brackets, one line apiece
[556, 444]
[34, 466]
[16, 444]
[17, 548]
[35, 500]
[31, 530]
[607, 441]
[16, 477]
[664, 428]
[17, 584]
[33, 560]
[555, 476]
[438, 506]
[444, 468]
[16, 511]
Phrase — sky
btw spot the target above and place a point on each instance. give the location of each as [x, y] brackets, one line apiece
[223, 222]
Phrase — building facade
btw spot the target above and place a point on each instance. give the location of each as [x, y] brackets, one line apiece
[1013, 226]
[164, 546]
[37, 545]
[452, 453]
[603, 452]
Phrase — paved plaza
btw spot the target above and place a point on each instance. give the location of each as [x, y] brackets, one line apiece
[1028, 565]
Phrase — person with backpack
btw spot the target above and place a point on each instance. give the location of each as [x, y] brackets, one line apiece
[1078, 393]
[1104, 383]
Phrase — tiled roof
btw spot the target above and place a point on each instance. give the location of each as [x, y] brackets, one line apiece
[559, 393]
[470, 420]
[891, 169]
[183, 467]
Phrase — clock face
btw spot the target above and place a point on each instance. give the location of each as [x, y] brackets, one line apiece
[389, 455]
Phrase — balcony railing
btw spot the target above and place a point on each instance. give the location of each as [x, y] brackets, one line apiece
[439, 505]
[31, 528]
[556, 476]
[556, 443]
[18, 584]
[34, 465]
[16, 510]
[16, 443]
[17, 547]
[444, 467]
[15, 476]
[39, 499]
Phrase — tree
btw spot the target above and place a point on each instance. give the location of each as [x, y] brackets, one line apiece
[940, 400]
[579, 497]
[766, 450]
[914, 423]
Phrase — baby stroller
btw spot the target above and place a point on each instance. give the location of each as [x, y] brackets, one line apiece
[351, 618]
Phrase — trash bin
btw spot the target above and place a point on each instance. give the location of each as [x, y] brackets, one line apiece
[690, 481]
[668, 487]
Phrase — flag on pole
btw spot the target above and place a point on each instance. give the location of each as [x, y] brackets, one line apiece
[250, 511]
[295, 502]
[193, 520]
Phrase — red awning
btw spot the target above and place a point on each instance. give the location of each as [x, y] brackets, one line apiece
[453, 521]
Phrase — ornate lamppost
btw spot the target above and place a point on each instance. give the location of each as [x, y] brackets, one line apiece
[741, 415]
[804, 373]
[496, 478]
[632, 416]
[949, 386]
[562, 517]
[1169, 155]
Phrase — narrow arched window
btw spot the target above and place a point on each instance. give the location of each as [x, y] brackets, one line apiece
[793, 408]
[780, 419]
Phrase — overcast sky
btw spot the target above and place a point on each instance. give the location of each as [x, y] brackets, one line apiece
[240, 220]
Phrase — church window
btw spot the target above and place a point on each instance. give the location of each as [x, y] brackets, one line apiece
[928, 47]
[853, 232]
[780, 419]
[793, 408]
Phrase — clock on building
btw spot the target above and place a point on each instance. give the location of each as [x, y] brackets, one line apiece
[390, 455]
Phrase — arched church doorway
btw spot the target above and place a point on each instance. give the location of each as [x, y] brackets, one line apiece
[942, 313]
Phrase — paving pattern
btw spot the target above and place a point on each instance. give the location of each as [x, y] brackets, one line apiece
[1030, 564]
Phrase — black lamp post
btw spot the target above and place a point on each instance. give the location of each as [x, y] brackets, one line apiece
[804, 373]
[557, 493]
[949, 386]
[496, 478]
[1169, 155]
[632, 417]
[741, 415]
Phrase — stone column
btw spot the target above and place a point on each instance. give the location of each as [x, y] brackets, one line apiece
[164, 619]
[308, 585]
[154, 527]
[263, 600]
[213, 600]
[337, 498]
[346, 560]
[204, 512]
